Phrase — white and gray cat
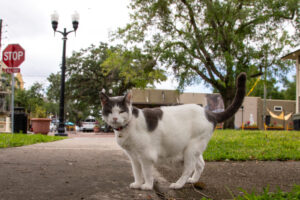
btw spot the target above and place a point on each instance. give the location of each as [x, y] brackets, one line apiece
[153, 135]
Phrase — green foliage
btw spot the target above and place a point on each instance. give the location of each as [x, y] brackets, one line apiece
[105, 67]
[290, 89]
[214, 40]
[267, 195]
[32, 100]
[273, 90]
[39, 112]
[132, 67]
[53, 90]
[35, 102]
[16, 140]
[253, 145]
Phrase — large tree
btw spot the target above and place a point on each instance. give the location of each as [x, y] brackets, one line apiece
[107, 67]
[214, 40]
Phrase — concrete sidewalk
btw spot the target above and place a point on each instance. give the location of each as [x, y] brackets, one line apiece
[93, 167]
[76, 168]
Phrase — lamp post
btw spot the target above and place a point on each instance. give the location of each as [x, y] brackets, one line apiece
[54, 21]
[242, 107]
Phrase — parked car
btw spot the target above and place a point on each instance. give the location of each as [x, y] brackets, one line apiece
[88, 124]
[54, 125]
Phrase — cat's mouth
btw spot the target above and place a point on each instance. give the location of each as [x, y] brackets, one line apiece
[115, 124]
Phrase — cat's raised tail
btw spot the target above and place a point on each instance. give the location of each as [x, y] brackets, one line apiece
[235, 105]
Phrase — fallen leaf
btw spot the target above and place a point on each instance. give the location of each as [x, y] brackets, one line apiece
[199, 185]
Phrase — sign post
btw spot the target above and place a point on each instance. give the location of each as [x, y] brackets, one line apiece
[12, 103]
[12, 56]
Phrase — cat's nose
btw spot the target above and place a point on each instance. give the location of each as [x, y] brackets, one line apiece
[115, 119]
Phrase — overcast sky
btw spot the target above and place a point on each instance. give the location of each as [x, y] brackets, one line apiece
[28, 23]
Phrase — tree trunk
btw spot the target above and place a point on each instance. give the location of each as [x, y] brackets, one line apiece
[229, 124]
[227, 97]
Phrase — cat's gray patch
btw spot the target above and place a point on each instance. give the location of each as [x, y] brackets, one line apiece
[135, 112]
[210, 116]
[114, 101]
[122, 104]
[152, 116]
[107, 108]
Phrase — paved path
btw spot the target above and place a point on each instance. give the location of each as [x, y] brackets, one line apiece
[77, 168]
[95, 168]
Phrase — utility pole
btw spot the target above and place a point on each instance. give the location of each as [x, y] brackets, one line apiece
[0, 34]
[265, 96]
[265, 87]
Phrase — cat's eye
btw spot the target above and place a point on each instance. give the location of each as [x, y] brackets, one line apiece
[122, 111]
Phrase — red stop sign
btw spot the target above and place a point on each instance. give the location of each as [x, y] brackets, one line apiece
[13, 55]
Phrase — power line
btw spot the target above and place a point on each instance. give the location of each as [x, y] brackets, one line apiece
[35, 76]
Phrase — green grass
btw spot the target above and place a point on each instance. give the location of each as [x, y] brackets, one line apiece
[253, 145]
[267, 195]
[224, 145]
[16, 140]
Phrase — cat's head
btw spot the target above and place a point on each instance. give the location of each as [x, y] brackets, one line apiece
[116, 111]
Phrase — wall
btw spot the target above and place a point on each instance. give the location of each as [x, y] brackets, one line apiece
[252, 105]
[287, 105]
[250, 108]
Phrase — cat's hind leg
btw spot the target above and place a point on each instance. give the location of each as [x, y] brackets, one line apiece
[137, 173]
[189, 166]
[198, 170]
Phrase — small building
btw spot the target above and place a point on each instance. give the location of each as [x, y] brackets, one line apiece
[253, 106]
[152, 98]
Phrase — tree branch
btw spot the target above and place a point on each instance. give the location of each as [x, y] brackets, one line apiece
[212, 82]
[195, 68]
[210, 66]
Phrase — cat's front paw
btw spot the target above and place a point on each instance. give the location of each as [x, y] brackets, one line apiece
[175, 186]
[135, 185]
[147, 186]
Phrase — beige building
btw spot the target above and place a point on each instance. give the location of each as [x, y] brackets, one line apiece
[250, 113]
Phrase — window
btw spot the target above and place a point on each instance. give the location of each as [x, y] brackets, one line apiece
[278, 108]
[90, 120]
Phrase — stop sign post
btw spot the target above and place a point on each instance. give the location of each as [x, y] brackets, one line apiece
[10, 70]
[13, 55]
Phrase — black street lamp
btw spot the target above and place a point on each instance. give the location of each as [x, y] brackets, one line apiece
[242, 107]
[54, 21]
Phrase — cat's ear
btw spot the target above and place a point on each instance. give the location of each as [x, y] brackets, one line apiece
[104, 99]
[128, 97]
